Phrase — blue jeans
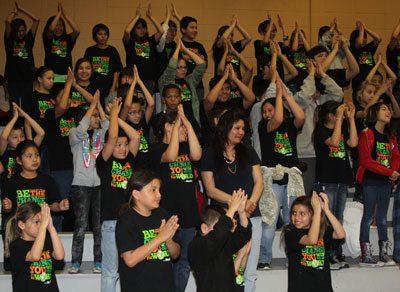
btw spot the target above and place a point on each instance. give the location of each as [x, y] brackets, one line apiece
[109, 274]
[85, 198]
[396, 224]
[181, 267]
[63, 179]
[250, 274]
[337, 194]
[375, 193]
[268, 232]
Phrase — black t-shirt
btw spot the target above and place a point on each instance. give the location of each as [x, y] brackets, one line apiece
[162, 59]
[381, 153]
[210, 256]
[105, 63]
[393, 61]
[279, 146]
[365, 59]
[178, 184]
[114, 175]
[155, 122]
[8, 162]
[57, 130]
[32, 276]
[58, 52]
[338, 75]
[142, 157]
[142, 54]
[332, 164]
[41, 189]
[40, 104]
[198, 49]
[260, 85]
[76, 96]
[230, 58]
[308, 268]
[298, 59]
[20, 62]
[265, 49]
[155, 272]
[232, 177]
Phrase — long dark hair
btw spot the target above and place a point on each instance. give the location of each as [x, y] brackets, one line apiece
[372, 117]
[48, 23]
[221, 133]
[321, 113]
[133, 35]
[305, 201]
[169, 117]
[15, 24]
[139, 179]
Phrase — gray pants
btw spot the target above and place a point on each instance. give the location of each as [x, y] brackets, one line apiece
[83, 199]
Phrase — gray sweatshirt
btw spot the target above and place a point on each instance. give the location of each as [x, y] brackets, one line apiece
[84, 158]
[305, 147]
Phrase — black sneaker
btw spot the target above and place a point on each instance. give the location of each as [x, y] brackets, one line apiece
[334, 265]
[263, 267]
[342, 260]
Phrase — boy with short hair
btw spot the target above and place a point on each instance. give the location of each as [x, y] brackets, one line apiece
[210, 253]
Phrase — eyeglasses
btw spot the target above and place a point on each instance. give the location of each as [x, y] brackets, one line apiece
[181, 67]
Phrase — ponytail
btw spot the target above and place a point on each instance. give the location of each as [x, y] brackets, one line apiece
[321, 113]
[23, 213]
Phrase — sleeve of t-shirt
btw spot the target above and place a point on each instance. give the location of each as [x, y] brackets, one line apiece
[100, 162]
[52, 193]
[203, 52]
[88, 54]
[258, 50]
[126, 236]
[71, 43]
[292, 237]
[155, 153]
[254, 159]
[321, 134]
[206, 162]
[46, 43]
[116, 64]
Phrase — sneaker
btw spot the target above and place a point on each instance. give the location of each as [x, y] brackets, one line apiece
[366, 259]
[75, 268]
[334, 265]
[384, 247]
[97, 268]
[342, 260]
[263, 267]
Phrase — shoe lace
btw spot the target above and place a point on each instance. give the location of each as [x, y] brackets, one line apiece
[371, 250]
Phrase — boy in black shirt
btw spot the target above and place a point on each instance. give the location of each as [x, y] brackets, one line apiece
[210, 253]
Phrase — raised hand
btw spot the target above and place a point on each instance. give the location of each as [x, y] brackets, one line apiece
[6, 204]
[316, 203]
[45, 216]
[115, 107]
[168, 228]
[350, 110]
[340, 111]
[138, 8]
[242, 206]
[236, 200]
[310, 66]
[280, 23]
[148, 11]
[323, 199]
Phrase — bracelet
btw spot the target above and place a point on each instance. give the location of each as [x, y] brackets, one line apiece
[339, 119]
[286, 37]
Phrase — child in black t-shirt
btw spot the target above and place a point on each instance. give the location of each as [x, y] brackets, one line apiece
[277, 134]
[393, 55]
[306, 239]
[133, 113]
[106, 62]
[30, 184]
[20, 61]
[83, 73]
[363, 52]
[114, 166]
[297, 55]
[210, 252]
[171, 97]
[32, 243]
[225, 34]
[333, 173]
[58, 45]
[140, 48]
[145, 237]
[172, 157]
